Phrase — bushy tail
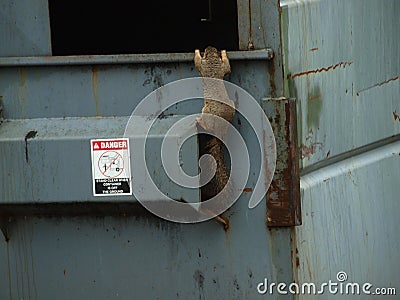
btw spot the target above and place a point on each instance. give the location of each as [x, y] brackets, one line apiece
[215, 148]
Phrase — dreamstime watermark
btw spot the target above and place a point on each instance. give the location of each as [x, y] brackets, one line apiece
[334, 287]
[152, 108]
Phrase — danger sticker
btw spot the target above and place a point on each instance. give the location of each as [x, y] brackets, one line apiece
[111, 167]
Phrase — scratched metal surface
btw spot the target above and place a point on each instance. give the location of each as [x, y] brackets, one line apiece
[109, 250]
[342, 64]
[162, 260]
[106, 90]
[350, 222]
[141, 258]
[57, 149]
[24, 28]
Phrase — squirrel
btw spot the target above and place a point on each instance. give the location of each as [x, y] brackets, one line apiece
[215, 64]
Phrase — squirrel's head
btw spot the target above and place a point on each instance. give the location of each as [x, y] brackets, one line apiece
[212, 52]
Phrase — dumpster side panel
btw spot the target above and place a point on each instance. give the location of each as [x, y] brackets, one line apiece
[24, 28]
[350, 222]
[142, 257]
[80, 248]
[58, 242]
[342, 64]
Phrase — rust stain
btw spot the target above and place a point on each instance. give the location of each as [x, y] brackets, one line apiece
[310, 135]
[223, 220]
[247, 190]
[396, 116]
[324, 69]
[179, 70]
[314, 98]
[377, 84]
[22, 89]
[307, 151]
[22, 76]
[313, 49]
[283, 207]
[272, 83]
[95, 84]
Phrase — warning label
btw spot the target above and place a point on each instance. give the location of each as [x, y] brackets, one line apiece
[111, 167]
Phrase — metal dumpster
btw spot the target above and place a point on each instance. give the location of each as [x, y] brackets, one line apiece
[324, 72]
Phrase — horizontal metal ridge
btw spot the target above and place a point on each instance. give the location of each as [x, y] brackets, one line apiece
[262, 54]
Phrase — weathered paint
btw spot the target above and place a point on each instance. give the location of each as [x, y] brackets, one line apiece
[139, 258]
[114, 90]
[283, 197]
[259, 28]
[118, 59]
[24, 28]
[342, 64]
[56, 147]
[62, 243]
[350, 221]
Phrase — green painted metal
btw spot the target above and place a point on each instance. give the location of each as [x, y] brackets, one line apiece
[59, 241]
[341, 62]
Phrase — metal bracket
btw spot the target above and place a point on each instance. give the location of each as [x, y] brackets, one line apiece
[283, 196]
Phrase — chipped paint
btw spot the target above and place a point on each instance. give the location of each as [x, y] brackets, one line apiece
[328, 154]
[64, 96]
[283, 196]
[308, 150]
[323, 69]
[396, 116]
[339, 206]
[377, 84]
[313, 98]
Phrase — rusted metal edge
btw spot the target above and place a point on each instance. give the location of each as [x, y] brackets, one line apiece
[283, 196]
[262, 54]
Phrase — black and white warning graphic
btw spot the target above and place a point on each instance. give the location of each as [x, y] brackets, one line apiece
[111, 167]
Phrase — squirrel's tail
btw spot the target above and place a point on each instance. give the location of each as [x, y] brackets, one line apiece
[215, 148]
